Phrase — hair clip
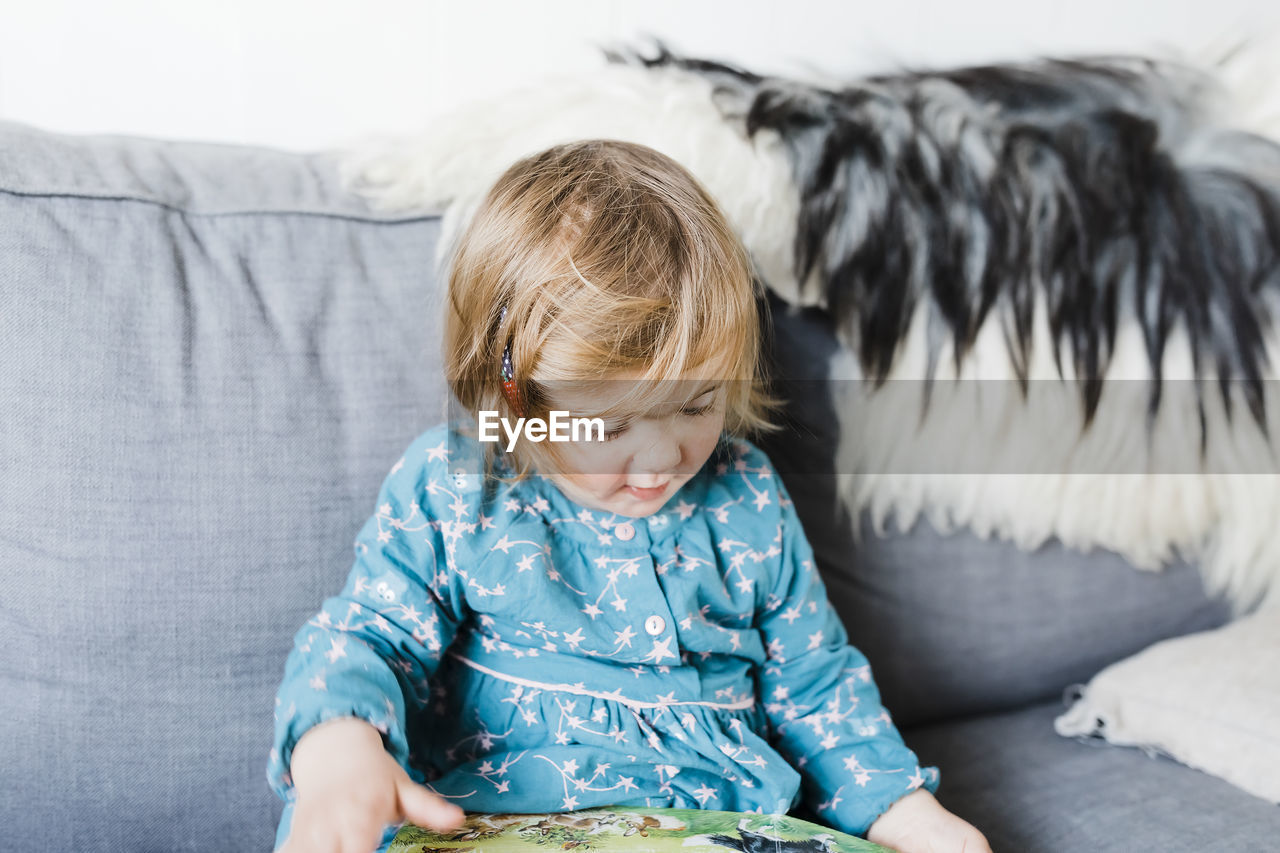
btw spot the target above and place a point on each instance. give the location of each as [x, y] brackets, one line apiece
[508, 374]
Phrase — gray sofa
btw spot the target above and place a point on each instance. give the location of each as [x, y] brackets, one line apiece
[211, 355]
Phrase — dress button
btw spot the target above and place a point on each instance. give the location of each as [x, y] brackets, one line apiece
[625, 531]
[655, 625]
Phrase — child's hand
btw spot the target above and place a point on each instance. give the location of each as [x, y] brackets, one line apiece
[349, 789]
[918, 823]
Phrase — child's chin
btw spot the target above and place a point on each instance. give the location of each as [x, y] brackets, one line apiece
[634, 511]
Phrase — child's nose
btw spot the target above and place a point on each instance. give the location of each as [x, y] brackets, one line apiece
[656, 460]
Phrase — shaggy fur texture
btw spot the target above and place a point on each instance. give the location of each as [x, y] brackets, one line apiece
[1051, 225]
[1103, 187]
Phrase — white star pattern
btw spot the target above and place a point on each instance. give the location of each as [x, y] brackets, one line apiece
[703, 794]
[337, 650]
[661, 650]
[550, 595]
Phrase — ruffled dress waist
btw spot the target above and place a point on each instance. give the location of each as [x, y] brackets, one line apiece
[538, 738]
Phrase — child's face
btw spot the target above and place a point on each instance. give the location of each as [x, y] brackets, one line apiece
[647, 456]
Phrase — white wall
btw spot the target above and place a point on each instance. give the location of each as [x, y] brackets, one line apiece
[316, 73]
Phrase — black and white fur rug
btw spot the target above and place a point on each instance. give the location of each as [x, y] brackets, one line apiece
[1094, 242]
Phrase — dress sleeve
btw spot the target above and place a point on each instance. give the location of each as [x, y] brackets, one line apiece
[371, 649]
[823, 707]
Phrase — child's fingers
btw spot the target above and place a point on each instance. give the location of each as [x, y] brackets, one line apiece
[423, 808]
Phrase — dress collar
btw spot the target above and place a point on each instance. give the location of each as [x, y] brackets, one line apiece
[540, 497]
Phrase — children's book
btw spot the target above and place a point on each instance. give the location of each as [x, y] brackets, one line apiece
[632, 830]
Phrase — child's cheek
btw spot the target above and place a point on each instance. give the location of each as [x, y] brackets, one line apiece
[703, 442]
[601, 460]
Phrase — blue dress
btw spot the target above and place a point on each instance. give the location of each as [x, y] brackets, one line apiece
[521, 653]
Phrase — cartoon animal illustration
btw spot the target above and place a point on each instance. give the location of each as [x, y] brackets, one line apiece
[576, 826]
[484, 826]
[757, 842]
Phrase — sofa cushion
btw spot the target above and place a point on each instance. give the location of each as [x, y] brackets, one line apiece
[1210, 700]
[211, 358]
[955, 624]
[1029, 789]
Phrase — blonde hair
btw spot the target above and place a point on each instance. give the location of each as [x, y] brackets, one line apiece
[609, 258]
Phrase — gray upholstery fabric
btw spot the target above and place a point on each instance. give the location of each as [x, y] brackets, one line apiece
[956, 625]
[211, 357]
[1032, 791]
[210, 361]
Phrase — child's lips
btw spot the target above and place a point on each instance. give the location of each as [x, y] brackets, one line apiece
[647, 494]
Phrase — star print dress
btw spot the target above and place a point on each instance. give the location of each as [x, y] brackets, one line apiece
[521, 653]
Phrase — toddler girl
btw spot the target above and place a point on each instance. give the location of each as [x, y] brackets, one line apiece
[631, 617]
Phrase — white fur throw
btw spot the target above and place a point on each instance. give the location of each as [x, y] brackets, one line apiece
[1095, 465]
